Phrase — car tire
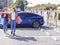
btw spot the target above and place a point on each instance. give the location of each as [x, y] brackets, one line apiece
[1, 26]
[36, 24]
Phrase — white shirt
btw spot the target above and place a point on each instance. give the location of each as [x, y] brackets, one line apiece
[13, 16]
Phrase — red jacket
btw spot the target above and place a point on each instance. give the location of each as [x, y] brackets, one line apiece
[6, 16]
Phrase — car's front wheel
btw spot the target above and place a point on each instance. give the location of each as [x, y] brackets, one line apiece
[36, 24]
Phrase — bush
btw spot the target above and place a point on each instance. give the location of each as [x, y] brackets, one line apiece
[59, 16]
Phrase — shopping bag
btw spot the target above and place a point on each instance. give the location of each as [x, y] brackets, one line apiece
[19, 20]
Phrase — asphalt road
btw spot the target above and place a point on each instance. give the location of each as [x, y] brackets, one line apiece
[31, 36]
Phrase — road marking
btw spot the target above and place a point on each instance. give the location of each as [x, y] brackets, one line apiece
[42, 30]
[41, 36]
[47, 33]
[54, 38]
[56, 30]
[36, 37]
[3, 37]
[30, 36]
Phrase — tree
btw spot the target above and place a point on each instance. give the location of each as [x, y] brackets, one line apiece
[12, 5]
[58, 5]
[47, 6]
[21, 4]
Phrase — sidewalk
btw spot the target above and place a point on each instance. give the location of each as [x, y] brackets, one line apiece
[58, 27]
[57, 30]
[58, 23]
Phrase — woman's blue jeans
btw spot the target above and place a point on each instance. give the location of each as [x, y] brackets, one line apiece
[5, 26]
[13, 25]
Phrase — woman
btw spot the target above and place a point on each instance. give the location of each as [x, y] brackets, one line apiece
[5, 16]
[13, 21]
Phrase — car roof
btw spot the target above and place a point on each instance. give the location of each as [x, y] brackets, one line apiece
[26, 12]
[30, 13]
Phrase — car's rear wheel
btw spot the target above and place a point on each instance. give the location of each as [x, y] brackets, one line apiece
[36, 24]
[1, 26]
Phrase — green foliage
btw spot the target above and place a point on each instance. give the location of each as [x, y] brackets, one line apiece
[21, 4]
[12, 5]
[47, 6]
[58, 5]
[59, 16]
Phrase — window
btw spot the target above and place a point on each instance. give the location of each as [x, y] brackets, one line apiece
[29, 14]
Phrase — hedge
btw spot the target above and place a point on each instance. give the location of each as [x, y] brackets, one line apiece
[59, 16]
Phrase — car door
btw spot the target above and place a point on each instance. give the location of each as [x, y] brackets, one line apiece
[24, 18]
[28, 18]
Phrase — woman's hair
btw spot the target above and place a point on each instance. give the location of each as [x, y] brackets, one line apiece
[14, 10]
[5, 9]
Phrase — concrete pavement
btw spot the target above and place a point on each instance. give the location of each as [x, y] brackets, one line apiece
[30, 36]
[58, 27]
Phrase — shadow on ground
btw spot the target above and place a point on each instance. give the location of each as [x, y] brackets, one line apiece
[30, 28]
[16, 37]
[47, 28]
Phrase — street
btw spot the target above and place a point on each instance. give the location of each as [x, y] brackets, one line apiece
[31, 36]
[47, 35]
[44, 15]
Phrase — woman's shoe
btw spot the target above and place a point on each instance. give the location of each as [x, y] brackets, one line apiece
[11, 32]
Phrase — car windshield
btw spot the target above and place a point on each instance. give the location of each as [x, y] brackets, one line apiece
[18, 9]
[9, 11]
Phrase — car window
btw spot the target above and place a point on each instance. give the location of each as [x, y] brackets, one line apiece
[9, 11]
[29, 14]
[21, 14]
[18, 9]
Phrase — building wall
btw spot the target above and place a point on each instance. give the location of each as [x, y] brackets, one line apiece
[1, 2]
[10, 1]
[4, 3]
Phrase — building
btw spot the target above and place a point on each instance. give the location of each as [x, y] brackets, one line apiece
[9, 2]
[1, 2]
[4, 3]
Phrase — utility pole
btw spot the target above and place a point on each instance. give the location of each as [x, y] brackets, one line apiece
[24, 4]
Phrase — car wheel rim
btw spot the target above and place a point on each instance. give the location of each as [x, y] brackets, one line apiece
[36, 24]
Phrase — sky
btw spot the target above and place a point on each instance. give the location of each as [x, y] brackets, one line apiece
[35, 2]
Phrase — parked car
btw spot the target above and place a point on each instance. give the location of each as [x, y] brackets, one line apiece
[29, 19]
[2, 20]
